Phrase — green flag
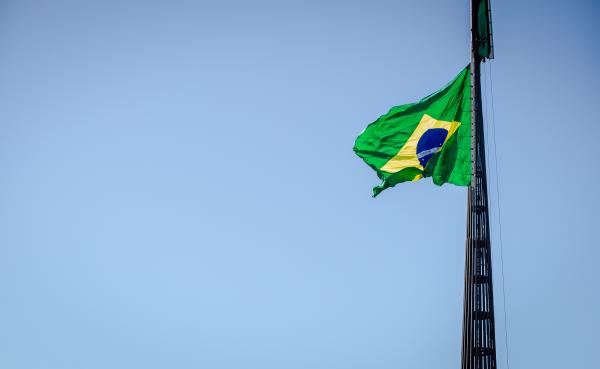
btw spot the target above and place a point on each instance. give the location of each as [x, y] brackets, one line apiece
[484, 29]
[429, 138]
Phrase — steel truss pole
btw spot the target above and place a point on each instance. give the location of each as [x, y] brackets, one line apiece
[478, 342]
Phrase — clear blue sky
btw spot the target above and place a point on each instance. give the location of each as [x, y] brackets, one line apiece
[178, 187]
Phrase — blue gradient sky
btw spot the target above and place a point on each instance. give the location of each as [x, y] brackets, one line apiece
[178, 187]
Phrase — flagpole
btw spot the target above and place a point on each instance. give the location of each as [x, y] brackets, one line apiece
[478, 341]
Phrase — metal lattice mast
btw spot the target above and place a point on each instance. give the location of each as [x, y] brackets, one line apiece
[479, 336]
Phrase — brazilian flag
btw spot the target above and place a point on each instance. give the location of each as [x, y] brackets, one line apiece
[429, 138]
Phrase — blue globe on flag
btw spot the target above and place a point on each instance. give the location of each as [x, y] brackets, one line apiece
[430, 142]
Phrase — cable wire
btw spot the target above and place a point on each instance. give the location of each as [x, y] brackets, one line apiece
[499, 215]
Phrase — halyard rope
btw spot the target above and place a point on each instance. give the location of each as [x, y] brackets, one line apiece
[493, 134]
